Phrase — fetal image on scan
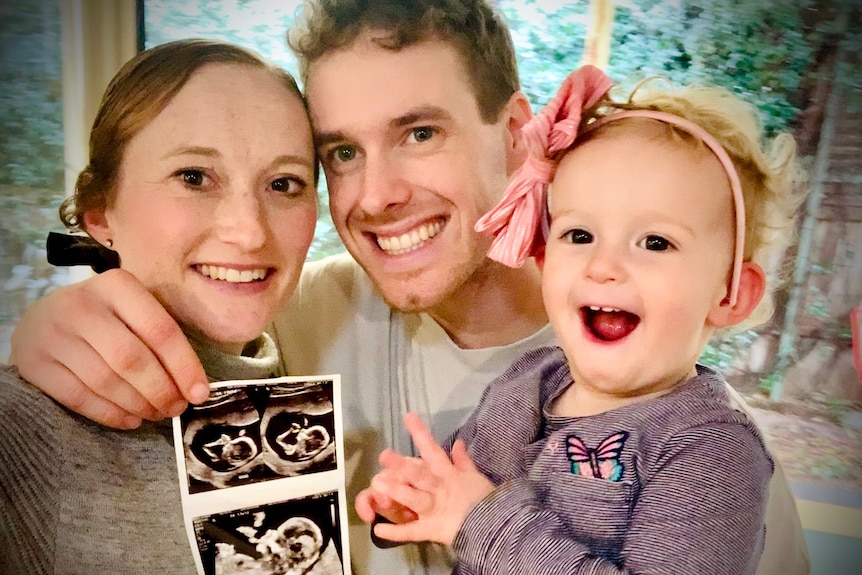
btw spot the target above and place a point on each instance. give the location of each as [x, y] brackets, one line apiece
[297, 537]
[254, 433]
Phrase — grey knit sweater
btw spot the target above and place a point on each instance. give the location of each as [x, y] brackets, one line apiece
[79, 498]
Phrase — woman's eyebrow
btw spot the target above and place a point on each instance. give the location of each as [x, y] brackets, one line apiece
[192, 151]
[204, 151]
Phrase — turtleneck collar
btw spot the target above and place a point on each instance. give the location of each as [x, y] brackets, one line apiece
[259, 359]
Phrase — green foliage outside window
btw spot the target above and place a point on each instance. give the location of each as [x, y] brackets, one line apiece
[757, 48]
[762, 49]
[31, 150]
[31, 127]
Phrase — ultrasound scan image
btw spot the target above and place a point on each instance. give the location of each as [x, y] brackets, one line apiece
[255, 433]
[298, 431]
[297, 537]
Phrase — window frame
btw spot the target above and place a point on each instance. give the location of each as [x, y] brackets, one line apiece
[97, 38]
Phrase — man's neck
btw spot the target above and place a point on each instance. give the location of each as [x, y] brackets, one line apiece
[497, 306]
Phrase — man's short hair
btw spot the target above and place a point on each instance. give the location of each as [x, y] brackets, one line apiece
[474, 28]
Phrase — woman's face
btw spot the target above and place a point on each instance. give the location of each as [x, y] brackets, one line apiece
[215, 204]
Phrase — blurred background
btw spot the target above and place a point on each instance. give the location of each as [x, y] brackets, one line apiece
[798, 61]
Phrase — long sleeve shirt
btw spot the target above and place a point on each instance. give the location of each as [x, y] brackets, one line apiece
[77, 498]
[676, 484]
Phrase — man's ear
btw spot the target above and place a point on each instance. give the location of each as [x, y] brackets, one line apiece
[518, 113]
[752, 286]
[539, 256]
[97, 226]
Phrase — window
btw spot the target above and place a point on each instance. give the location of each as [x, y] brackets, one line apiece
[57, 56]
[32, 149]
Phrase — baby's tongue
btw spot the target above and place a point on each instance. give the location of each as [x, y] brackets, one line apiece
[612, 325]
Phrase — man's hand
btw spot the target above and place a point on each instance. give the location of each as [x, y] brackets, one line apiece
[438, 490]
[107, 349]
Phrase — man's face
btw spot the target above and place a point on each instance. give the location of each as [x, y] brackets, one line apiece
[409, 164]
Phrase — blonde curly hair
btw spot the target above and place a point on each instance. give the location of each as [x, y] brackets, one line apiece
[773, 183]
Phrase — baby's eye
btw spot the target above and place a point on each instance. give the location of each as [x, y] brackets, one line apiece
[655, 243]
[287, 185]
[421, 134]
[578, 236]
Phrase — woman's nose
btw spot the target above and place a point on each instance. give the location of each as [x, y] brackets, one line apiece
[242, 221]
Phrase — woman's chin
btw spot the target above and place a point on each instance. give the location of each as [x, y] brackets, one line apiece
[226, 324]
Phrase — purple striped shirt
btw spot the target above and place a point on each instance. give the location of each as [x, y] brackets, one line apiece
[676, 485]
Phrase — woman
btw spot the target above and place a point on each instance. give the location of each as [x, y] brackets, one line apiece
[202, 180]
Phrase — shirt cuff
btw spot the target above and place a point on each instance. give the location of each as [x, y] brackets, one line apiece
[501, 514]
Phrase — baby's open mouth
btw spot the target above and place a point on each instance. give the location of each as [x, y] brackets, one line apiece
[609, 324]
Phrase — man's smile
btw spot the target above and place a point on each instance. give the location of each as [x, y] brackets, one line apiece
[407, 242]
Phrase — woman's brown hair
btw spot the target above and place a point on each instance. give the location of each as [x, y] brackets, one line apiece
[138, 93]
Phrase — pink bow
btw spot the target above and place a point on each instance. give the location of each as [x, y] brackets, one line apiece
[515, 222]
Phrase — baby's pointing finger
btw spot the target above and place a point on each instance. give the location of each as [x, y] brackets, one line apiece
[428, 447]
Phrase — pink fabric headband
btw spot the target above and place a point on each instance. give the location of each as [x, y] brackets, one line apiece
[519, 222]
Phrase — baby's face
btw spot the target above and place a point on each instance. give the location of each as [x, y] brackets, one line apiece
[639, 254]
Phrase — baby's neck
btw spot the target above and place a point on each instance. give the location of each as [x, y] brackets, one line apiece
[583, 399]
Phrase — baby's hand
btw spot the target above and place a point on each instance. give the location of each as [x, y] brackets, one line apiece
[371, 503]
[440, 491]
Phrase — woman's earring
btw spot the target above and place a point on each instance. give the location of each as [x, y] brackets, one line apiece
[109, 243]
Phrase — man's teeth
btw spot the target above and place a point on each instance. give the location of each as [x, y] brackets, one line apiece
[597, 308]
[404, 243]
[231, 275]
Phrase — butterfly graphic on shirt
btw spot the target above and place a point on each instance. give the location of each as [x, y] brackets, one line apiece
[603, 462]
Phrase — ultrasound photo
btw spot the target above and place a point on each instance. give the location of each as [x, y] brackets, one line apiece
[256, 433]
[296, 537]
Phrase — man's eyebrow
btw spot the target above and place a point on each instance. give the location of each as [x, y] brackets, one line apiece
[420, 114]
[414, 115]
[326, 138]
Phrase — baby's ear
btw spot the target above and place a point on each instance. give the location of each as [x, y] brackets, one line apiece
[752, 286]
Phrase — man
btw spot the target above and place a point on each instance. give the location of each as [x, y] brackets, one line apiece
[417, 110]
